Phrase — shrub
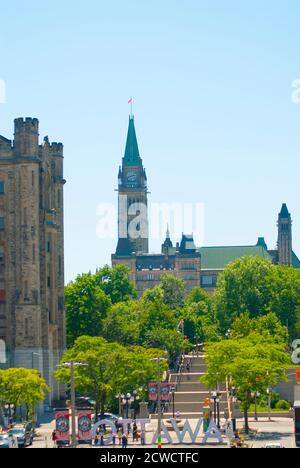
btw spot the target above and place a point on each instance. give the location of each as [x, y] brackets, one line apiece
[283, 405]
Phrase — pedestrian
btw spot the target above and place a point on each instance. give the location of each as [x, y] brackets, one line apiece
[124, 441]
[114, 436]
[135, 432]
[120, 434]
[54, 438]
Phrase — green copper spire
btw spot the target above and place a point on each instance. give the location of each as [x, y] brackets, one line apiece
[132, 155]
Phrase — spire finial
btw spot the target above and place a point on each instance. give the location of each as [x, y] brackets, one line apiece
[168, 233]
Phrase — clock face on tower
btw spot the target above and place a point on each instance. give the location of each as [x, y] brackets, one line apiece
[132, 179]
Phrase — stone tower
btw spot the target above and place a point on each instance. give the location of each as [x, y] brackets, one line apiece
[32, 317]
[132, 199]
[285, 245]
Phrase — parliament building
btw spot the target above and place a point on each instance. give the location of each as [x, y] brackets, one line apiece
[197, 266]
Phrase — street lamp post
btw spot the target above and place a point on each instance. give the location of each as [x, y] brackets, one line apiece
[172, 390]
[135, 399]
[216, 401]
[120, 398]
[159, 412]
[72, 365]
[126, 402]
[73, 405]
[255, 395]
[269, 393]
[9, 412]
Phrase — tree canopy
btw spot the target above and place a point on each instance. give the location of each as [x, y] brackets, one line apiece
[109, 369]
[255, 286]
[251, 363]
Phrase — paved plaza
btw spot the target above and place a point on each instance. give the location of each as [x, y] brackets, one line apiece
[278, 431]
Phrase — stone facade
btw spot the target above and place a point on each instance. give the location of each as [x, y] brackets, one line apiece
[183, 262]
[32, 316]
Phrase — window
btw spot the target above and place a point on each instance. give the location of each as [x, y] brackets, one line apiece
[208, 281]
[26, 291]
[2, 187]
[25, 216]
[27, 327]
[49, 282]
[48, 246]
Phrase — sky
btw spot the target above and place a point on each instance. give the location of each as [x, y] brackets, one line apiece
[214, 114]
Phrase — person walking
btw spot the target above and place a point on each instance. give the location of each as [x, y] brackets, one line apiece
[120, 434]
[54, 438]
[124, 441]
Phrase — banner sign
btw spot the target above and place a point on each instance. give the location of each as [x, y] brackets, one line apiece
[84, 425]
[62, 419]
[164, 391]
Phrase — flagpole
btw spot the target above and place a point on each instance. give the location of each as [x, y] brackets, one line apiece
[131, 106]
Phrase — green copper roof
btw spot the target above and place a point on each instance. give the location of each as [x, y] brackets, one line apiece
[284, 213]
[296, 261]
[132, 155]
[216, 258]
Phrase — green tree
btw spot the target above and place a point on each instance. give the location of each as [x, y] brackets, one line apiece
[285, 301]
[109, 368]
[173, 291]
[253, 363]
[115, 282]
[22, 386]
[122, 324]
[200, 320]
[268, 325]
[171, 341]
[155, 314]
[255, 286]
[86, 307]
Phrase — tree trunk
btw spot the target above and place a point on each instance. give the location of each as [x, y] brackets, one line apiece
[247, 428]
[246, 409]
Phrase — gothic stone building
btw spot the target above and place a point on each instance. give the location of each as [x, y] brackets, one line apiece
[196, 266]
[183, 261]
[215, 259]
[32, 318]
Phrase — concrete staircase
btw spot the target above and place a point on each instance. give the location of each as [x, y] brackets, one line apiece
[190, 394]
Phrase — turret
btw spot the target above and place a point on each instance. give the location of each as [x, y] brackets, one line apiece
[26, 141]
[285, 245]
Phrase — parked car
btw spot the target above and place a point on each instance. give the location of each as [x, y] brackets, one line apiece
[274, 445]
[4, 441]
[24, 435]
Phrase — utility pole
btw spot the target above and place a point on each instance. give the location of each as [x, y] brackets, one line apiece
[159, 442]
[73, 406]
[159, 412]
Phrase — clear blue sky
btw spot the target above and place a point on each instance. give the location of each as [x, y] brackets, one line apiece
[214, 116]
